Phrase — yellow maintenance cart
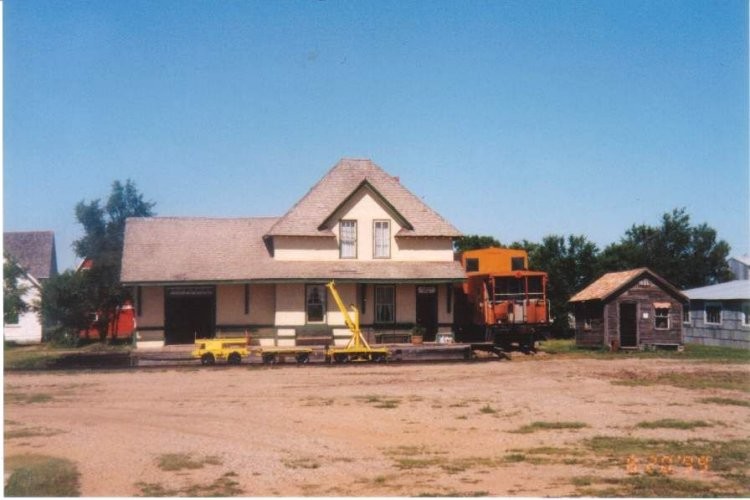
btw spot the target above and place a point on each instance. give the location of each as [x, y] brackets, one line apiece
[357, 349]
[230, 349]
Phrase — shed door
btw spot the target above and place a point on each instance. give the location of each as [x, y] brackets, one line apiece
[628, 325]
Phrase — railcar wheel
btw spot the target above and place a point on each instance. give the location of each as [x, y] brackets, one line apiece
[234, 358]
[341, 358]
[208, 359]
[269, 359]
[303, 358]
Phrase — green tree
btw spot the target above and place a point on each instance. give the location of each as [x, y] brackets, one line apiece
[687, 256]
[570, 263]
[96, 290]
[13, 291]
[474, 242]
[66, 306]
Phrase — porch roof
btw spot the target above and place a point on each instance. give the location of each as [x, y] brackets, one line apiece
[164, 250]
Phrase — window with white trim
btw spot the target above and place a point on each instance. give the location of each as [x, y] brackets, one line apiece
[746, 314]
[686, 313]
[315, 303]
[385, 304]
[661, 318]
[712, 313]
[381, 239]
[348, 239]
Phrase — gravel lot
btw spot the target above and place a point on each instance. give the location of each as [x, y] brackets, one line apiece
[363, 430]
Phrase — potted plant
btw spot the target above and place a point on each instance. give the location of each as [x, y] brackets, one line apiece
[417, 334]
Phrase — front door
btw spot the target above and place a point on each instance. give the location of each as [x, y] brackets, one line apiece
[427, 310]
[628, 325]
[189, 313]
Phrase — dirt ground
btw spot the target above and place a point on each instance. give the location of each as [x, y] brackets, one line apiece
[362, 430]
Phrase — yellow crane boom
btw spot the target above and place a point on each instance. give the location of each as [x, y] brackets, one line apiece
[357, 348]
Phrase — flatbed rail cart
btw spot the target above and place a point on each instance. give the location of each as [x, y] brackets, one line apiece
[357, 349]
[272, 355]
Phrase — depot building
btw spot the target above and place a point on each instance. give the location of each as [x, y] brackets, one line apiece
[388, 252]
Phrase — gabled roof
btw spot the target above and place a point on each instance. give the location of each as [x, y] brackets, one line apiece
[612, 284]
[744, 259]
[34, 251]
[309, 216]
[169, 250]
[731, 290]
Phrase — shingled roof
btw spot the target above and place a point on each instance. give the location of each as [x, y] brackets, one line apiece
[163, 250]
[612, 284]
[309, 216]
[34, 251]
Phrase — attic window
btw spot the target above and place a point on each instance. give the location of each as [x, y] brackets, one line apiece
[382, 239]
[348, 239]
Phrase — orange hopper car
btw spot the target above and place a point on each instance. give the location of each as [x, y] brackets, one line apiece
[502, 301]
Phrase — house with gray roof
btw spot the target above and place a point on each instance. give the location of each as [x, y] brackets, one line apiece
[388, 252]
[34, 252]
[719, 315]
[740, 267]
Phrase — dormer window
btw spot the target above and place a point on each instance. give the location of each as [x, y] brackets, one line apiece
[381, 239]
[348, 239]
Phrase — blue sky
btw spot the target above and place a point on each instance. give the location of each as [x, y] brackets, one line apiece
[515, 119]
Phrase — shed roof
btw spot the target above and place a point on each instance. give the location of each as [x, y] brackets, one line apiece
[309, 215]
[612, 284]
[731, 290]
[191, 249]
[34, 251]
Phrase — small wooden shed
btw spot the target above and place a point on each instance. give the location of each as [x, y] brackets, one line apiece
[629, 309]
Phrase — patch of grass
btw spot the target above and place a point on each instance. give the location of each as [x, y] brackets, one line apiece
[32, 357]
[313, 401]
[648, 486]
[716, 353]
[380, 401]
[694, 352]
[673, 423]
[26, 399]
[301, 463]
[542, 426]
[545, 455]
[420, 457]
[487, 409]
[723, 457]
[725, 401]
[41, 476]
[224, 486]
[155, 490]
[28, 432]
[182, 461]
[699, 379]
